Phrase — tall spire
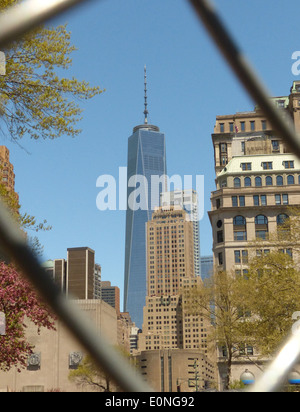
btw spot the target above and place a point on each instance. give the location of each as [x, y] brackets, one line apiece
[146, 126]
[146, 104]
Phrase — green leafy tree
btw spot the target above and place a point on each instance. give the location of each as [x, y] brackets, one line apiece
[35, 100]
[218, 300]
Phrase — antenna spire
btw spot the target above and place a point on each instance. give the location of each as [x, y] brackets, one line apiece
[146, 104]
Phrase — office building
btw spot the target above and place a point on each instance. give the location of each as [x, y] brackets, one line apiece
[78, 276]
[188, 200]
[207, 267]
[111, 295]
[167, 325]
[146, 160]
[257, 180]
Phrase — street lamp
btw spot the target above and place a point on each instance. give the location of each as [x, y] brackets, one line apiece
[247, 378]
[294, 378]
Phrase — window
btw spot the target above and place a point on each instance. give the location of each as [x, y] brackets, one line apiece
[223, 147]
[245, 257]
[282, 199]
[243, 126]
[269, 181]
[290, 180]
[279, 181]
[223, 160]
[283, 227]
[261, 220]
[285, 199]
[241, 256]
[260, 200]
[278, 199]
[264, 125]
[261, 227]
[239, 228]
[275, 145]
[231, 127]
[239, 221]
[222, 127]
[220, 236]
[238, 201]
[267, 165]
[289, 164]
[237, 182]
[237, 256]
[258, 181]
[252, 126]
[246, 166]
[220, 258]
[247, 182]
[281, 219]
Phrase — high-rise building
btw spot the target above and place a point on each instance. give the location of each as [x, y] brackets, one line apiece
[170, 261]
[207, 267]
[78, 276]
[146, 163]
[167, 324]
[111, 295]
[187, 199]
[257, 180]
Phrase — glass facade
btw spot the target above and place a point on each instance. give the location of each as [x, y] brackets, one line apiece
[147, 158]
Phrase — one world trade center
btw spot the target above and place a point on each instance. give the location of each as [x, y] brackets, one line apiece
[146, 164]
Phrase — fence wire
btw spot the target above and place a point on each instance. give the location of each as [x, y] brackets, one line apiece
[25, 16]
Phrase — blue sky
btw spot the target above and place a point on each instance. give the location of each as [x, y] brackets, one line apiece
[188, 85]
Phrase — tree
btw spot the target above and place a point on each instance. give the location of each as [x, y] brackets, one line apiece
[18, 302]
[255, 309]
[35, 101]
[219, 301]
[89, 375]
[271, 292]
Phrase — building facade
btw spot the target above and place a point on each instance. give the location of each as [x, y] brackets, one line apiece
[146, 160]
[172, 370]
[170, 268]
[111, 295]
[188, 200]
[257, 181]
[57, 353]
[78, 276]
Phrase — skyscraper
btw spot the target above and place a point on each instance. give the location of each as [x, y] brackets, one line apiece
[188, 200]
[146, 161]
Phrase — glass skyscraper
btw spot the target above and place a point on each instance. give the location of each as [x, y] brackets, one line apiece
[146, 161]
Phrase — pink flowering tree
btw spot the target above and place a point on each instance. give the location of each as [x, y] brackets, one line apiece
[19, 302]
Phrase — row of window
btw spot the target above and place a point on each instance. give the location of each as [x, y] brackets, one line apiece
[258, 181]
[240, 230]
[288, 164]
[260, 200]
[233, 128]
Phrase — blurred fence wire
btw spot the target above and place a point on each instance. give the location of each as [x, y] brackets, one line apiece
[26, 15]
